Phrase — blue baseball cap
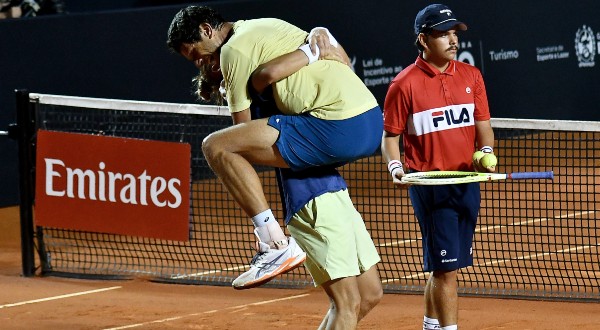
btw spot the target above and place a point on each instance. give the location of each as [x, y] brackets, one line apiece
[437, 17]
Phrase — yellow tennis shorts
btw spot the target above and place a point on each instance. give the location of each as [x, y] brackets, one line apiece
[334, 237]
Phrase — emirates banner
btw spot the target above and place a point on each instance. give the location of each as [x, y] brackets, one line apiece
[113, 185]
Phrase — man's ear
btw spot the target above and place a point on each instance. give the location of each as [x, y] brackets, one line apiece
[421, 38]
[206, 30]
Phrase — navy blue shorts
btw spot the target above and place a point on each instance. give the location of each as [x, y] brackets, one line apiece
[306, 141]
[447, 217]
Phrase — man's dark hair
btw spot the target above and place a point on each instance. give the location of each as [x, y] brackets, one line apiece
[185, 27]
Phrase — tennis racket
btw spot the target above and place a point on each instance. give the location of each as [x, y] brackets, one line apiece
[456, 177]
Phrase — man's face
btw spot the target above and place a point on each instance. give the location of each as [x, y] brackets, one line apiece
[201, 53]
[204, 52]
[442, 45]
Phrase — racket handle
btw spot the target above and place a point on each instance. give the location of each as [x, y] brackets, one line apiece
[532, 175]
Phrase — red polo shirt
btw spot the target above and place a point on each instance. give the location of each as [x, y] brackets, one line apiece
[436, 112]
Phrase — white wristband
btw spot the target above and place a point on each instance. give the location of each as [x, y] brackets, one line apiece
[394, 166]
[306, 49]
[332, 40]
[487, 149]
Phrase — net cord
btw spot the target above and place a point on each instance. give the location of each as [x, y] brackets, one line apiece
[551, 125]
[129, 105]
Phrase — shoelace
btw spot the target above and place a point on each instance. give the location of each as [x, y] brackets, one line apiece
[257, 257]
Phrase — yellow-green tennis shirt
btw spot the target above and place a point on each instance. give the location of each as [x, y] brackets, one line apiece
[325, 89]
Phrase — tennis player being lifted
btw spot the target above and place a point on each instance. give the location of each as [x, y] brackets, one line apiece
[330, 117]
[439, 107]
[341, 256]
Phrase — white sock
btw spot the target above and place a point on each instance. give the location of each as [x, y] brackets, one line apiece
[268, 229]
[429, 323]
[450, 327]
[263, 218]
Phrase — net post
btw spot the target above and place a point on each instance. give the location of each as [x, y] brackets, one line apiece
[25, 130]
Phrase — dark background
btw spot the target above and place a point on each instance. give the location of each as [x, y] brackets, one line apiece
[116, 49]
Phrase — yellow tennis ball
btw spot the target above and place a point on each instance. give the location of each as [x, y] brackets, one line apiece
[488, 160]
[477, 156]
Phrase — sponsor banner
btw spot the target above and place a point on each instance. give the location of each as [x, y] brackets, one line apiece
[113, 185]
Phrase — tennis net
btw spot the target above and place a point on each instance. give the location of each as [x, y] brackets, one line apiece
[535, 239]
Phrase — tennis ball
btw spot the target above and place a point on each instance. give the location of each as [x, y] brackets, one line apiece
[477, 156]
[488, 160]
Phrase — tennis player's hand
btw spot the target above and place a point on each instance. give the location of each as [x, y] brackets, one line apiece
[479, 167]
[321, 37]
[397, 178]
[396, 170]
[328, 47]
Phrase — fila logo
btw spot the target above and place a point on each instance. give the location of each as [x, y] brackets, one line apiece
[450, 117]
[440, 119]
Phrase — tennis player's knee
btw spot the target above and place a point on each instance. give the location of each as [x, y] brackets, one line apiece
[375, 296]
[369, 300]
[370, 288]
[213, 148]
[448, 277]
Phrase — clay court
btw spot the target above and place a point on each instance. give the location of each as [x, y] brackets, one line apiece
[59, 303]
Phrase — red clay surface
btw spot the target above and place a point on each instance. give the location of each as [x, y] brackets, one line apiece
[57, 303]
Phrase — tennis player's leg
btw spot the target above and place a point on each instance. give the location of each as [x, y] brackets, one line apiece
[368, 282]
[430, 319]
[438, 223]
[442, 286]
[370, 289]
[443, 292]
[343, 293]
[341, 257]
[231, 153]
[281, 141]
[296, 142]
[452, 211]
[466, 202]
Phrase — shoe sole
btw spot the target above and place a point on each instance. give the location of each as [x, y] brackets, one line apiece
[285, 267]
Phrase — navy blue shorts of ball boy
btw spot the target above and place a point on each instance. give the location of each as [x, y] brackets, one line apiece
[447, 216]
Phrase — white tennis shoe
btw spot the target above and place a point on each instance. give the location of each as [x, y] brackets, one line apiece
[268, 263]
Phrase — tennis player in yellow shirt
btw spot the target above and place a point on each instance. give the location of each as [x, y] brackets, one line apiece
[329, 117]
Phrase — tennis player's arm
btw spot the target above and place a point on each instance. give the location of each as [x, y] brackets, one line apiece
[484, 134]
[241, 116]
[390, 149]
[391, 155]
[285, 65]
[237, 117]
[278, 68]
